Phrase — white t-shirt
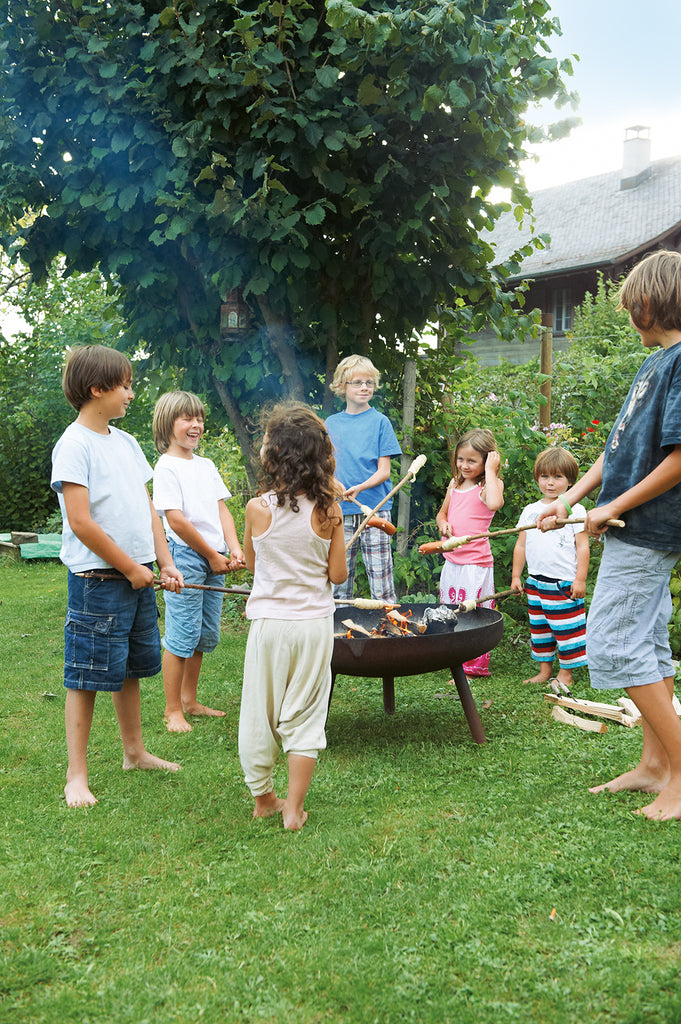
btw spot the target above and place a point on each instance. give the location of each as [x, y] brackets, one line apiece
[553, 553]
[115, 471]
[194, 487]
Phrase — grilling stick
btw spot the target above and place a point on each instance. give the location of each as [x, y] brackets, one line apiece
[380, 524]
[471, 604]
[357, 602]
[451, 543]
[410, 475]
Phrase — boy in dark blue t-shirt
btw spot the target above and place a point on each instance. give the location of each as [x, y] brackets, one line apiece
[640, 471]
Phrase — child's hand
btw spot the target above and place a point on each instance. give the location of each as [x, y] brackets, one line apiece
[219, 564]
[493, 462]
[171, 578]
[352, 492]
[578, 590]
[444, 528]
[546, 520]
[516, 585]
[140, 577]
[597, 519]
[236, 560]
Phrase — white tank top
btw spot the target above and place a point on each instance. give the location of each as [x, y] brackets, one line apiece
[291, 576]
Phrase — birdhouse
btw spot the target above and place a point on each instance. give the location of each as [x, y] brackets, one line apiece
[233, 313]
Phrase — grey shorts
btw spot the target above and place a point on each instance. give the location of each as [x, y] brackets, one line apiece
[627, 640]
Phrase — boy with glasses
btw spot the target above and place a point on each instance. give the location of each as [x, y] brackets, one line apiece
[364, 442]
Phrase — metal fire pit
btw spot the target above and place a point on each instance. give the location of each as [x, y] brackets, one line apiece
[440, 647]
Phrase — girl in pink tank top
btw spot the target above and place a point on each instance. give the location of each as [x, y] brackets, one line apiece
[474, 494]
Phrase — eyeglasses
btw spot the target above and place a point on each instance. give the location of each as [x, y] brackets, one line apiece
[362, 383]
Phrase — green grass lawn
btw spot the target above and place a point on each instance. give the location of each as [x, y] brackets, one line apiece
[421, 889]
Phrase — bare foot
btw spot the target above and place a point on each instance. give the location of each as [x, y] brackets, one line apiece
[267, 805]
[147, 760]
[666, 807]
[176, 722]
[539, 678]
[294, 820]
[640, 779]
[77, 793]
[201, 709]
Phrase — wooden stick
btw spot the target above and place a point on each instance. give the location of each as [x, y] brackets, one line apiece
[410, 475]
[561, 715]
[357, 602]
[451, 543]
[471, 605]
[363, 508]
[376, 521]
[595, 708]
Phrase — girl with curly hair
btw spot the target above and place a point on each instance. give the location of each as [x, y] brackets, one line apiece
[294, 545]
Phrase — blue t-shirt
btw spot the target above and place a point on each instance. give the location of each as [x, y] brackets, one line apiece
[646, 429]
[359, 441]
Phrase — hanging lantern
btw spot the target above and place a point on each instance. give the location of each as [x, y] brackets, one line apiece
[233, 313]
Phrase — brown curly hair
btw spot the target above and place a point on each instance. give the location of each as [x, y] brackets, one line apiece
[297, 458]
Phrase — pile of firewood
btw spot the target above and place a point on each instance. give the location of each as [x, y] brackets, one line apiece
[624, 712]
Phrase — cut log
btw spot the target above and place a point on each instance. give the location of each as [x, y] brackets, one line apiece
[561, 715]
[356, 628]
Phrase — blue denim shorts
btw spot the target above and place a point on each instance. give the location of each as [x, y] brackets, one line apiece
[110, 635]
[627, 639]
[192, 616]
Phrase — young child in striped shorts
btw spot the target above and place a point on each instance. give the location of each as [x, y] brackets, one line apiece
[557, 564]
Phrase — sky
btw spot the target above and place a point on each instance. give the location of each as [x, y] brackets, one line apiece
[629, 74]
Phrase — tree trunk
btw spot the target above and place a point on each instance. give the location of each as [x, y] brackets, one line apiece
[278, 333]
[331, 364]
[241, 431]
[404, 500]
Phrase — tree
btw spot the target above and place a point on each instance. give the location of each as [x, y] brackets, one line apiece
[33, 410]
[332, 161]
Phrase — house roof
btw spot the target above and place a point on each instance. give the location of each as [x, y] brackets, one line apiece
[594, 222]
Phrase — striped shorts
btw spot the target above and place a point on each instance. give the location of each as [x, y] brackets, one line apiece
[557, 620]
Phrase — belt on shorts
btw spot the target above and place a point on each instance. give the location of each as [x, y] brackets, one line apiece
[102, 574]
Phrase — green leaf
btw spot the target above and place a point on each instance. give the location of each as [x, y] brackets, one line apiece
[180, 147]
[327, 76]
[127, 197]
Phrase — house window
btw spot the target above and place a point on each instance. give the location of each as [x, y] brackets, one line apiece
[562, 310]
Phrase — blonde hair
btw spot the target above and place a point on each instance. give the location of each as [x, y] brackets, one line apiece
[556, 460]
[169, 408]
[651, 292]
[345, 371]
[93, 366]
[480, 440]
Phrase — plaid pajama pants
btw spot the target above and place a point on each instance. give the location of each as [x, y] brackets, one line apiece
[377, 557]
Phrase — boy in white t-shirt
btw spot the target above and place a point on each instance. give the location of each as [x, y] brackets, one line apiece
[190, 496]
[557, 564]
[110, 539]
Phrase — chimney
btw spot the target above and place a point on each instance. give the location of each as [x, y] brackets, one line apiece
[636, 157]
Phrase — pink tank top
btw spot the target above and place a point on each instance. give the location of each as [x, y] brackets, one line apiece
[468, 514]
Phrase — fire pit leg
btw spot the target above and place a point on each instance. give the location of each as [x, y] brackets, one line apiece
[389, 695]
[468, 704]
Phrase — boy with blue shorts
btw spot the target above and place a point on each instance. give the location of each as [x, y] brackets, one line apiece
[640, 472]
[111, 537]
[190, 496]
[364, 442]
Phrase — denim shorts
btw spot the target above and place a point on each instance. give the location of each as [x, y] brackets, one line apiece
[627, 639]
[192, 616]
[110, 635]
